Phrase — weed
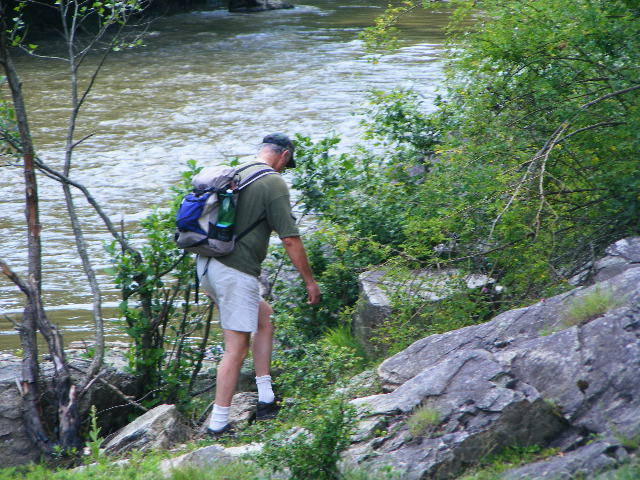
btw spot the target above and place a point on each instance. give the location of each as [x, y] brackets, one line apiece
[95, 441]
[590, 306]
[493, 465]
[424, 419]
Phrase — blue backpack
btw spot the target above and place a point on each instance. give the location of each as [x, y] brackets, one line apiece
[198, 212]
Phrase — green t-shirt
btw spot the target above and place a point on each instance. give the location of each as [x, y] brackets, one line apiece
[266, 197]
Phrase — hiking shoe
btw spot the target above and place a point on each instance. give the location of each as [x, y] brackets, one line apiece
[218, 433]
[266, 411]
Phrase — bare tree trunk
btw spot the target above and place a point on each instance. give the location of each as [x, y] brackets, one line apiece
[32, 288]
[34, 314]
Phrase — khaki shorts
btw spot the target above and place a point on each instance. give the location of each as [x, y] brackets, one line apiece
[237, 294]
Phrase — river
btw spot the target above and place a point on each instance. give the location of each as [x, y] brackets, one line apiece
[206, 86]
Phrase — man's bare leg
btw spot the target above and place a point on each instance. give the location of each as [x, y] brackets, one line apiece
[262, 348]
[236, 347]
[263, 340]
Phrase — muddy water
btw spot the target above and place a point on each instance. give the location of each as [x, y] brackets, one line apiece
[206, 86]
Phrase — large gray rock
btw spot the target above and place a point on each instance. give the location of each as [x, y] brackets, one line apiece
[16, 447]
[524, 378]
[161, 427]
[581, 463]
[622, 255]
[376, 286]
[208, 457]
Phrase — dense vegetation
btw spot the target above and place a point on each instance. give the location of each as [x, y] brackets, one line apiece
[526, 170]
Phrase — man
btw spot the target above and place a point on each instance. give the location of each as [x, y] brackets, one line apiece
[232, 280]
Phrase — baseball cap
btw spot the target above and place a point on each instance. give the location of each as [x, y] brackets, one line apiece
[283, 141]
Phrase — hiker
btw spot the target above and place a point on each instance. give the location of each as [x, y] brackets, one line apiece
[232, 280]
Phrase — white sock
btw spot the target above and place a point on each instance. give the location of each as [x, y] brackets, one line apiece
[219, 418]
[265, 391]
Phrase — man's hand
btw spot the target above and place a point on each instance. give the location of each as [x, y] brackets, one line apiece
[313, 290]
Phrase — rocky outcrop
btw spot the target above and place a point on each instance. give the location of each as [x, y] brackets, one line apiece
[375, 303]
[160, 427]
[620, 256]
[531, 376]
[252, 6]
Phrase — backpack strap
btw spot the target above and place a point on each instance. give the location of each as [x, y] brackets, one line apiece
[250, 227]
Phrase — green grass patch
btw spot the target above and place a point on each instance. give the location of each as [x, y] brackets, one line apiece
[583, 309]
[423, 420]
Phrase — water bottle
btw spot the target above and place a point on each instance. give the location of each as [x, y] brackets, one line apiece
[226, 216]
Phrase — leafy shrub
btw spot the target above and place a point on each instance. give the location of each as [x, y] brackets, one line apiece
[312, 449]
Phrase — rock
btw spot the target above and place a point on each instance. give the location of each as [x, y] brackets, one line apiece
[243, 410]
[363, 384]
[252, 6]
[208, 456]
[523, 378]
[622, 255]
[479, 413]
[580, 463]
[161, 427]
[374, 305]
[16, 448]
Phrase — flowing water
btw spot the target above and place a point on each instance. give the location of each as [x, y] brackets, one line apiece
[207, 86]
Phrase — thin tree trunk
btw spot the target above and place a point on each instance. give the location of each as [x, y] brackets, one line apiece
[33, 310]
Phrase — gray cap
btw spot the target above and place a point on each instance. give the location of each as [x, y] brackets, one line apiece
[283, 141]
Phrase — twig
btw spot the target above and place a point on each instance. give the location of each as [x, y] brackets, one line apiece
[15, 278]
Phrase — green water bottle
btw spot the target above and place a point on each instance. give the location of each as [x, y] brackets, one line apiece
[226, 216]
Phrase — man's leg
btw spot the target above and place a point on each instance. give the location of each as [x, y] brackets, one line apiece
[236, 346]
[262, 348]
[263, 340]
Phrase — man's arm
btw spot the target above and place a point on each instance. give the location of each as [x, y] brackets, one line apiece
[298, 256]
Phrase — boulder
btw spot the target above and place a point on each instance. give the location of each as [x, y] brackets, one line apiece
[527, 377]
[208, 456]
[620, 256]
[364, 384]
[161, 427]
[375, 305]
[580, 463]
[16, 447]
[252, 6]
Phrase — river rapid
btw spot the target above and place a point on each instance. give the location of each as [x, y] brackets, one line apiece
[206, 86]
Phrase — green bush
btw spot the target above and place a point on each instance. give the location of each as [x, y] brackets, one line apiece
[312, 449]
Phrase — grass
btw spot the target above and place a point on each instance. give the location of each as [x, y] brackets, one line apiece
[493, 466]
[585, 308]
[424, 419]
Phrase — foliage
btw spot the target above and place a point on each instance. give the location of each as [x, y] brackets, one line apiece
[309, 369]
[422, 420]
[525, 172]
[587, 307]
[158, 305]
[95, 441]
[312, 449]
